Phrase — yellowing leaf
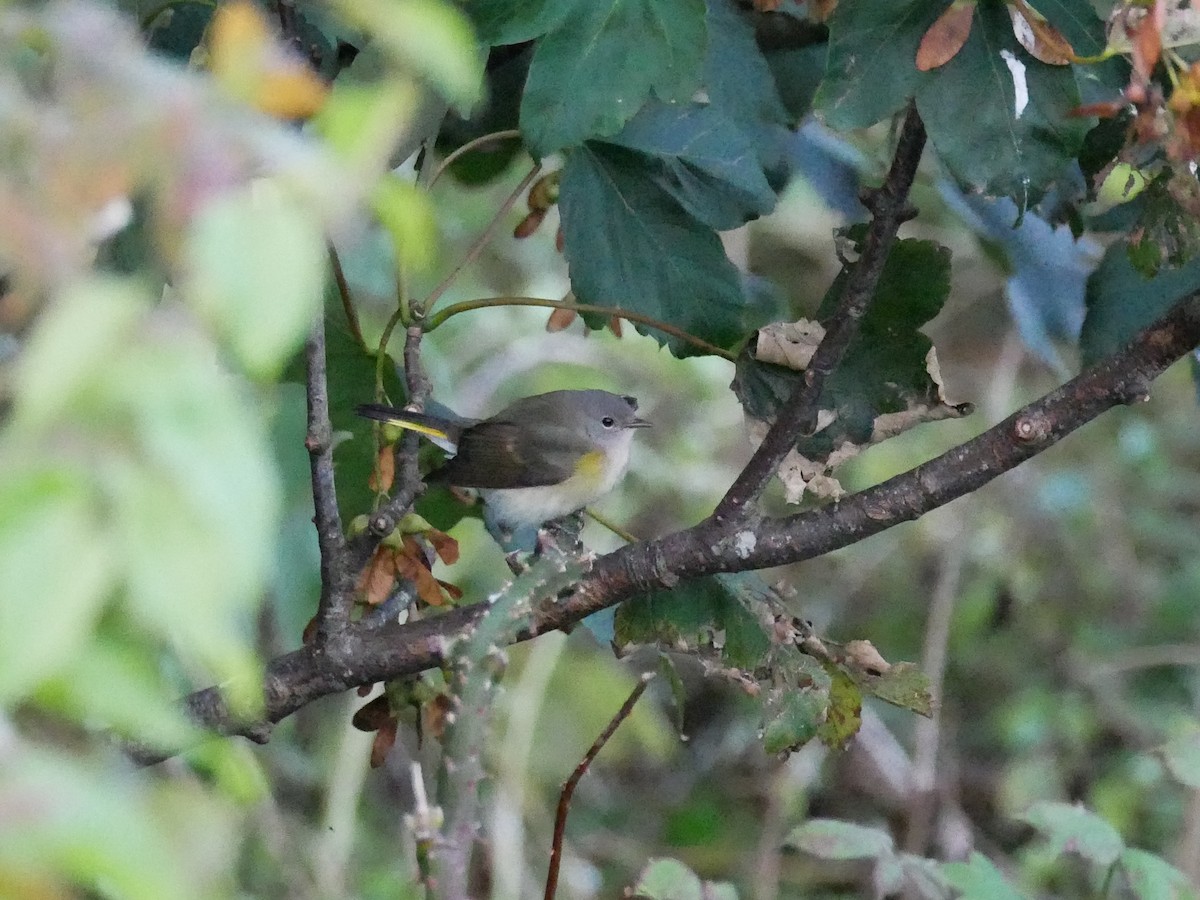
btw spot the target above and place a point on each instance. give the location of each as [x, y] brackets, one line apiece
[946, 36]
[251, 65]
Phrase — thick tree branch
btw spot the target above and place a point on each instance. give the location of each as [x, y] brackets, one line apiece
[890, 209]
[364, 656]
[333, 610]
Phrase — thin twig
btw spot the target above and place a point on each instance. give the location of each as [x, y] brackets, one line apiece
[467, 305]
[568, 789]
[605, 522]
[481, 242]
[889, 207]
[333, 610]
[343, 287]
[482, 140]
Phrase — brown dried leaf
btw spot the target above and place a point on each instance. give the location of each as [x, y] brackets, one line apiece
[544, 192]
[378, 577]
[373, 715]
[385, 739]
[384, 473]
[1042, 40]
[410, 563]
[529, 224]
[863, 655]
[435, 714]
[946, 36]
[790, 344]
[560, 320]
[445, 546]
[614, 325]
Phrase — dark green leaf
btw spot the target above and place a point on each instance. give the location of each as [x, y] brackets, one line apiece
[1121, 302]
[499, 22]
[593, 72]
[871, 69]
[1073, 829]
[835, 839]
[700, 157]
[656, 260]
[705, 613]
[1021, 136]
[736, 75]
[1079, 24]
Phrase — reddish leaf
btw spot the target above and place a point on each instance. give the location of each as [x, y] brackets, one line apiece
[1044, 42]
[1104, 110]
[385, 739]
[455, 592]
[529, 225]
[384, 472]
[560, 319]
[1146, 34]
[614, 325]
[377, 579]
[946, 36]
[373, 715]
[310, 631]
[559, 240]
[445, 546]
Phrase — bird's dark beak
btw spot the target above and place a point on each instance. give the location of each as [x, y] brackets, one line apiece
[639, 423]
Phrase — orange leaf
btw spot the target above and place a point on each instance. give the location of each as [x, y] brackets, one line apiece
[560, 319]
[614, 325]
[385, 739]
[445, 546]
[1104, 110]
[946, 36]
[529, 224]
[1042, 40]
[411, 564]
[455, 592]
[384, 472]
[1146, 35]
[377, 579]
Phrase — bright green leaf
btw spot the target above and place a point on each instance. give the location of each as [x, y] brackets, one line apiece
[594, 71]
[843, 717]
[669, 879]
[1073, 829]
[658, 260]
[978, 879]
[257, 262]
[1151, 877]
[407, 213]
[363, 122]
[835, 839]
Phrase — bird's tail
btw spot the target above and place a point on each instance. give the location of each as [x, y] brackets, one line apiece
[441, 432]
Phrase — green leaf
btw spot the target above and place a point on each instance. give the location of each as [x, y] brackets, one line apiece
[843, 717]
[737, 78]
[871, 69]
[1073, 829]
[902, 685]
[835, 839]
[1079, 24]
[669, 879]
[500, 22]
[428, 38]
[406, 212]
[978, 879]
[256, 261]
[594, 71]
[708, 612]
[1121, 301]
[796, 721]
[1182, 756]
[657, 260]
[1021, 136]
[1151, 877]
[58, 569]
[703, 159]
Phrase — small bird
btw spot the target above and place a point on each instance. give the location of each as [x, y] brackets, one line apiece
[536, 460]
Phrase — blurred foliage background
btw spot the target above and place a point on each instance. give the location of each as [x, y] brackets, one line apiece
[155, 510]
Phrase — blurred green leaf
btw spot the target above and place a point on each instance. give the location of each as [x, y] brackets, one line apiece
[406, 212]
[1121, 301]
[978, 879]
[599, 64]
[364, 121]
[1151, 877]
[429, 38]
[669, 879]
[58, 569]
[834, 839]
[796, 720]
[1182, 756]
[256, 269]
[902, 685]
[1073, 829]
[660, 261]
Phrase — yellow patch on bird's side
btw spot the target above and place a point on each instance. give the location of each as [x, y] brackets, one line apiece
[419, 428]
[591, 465]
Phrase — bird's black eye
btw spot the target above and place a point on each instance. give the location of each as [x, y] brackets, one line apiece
[608, 422]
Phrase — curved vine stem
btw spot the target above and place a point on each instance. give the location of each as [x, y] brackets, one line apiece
[467, 305]
[481, 141]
